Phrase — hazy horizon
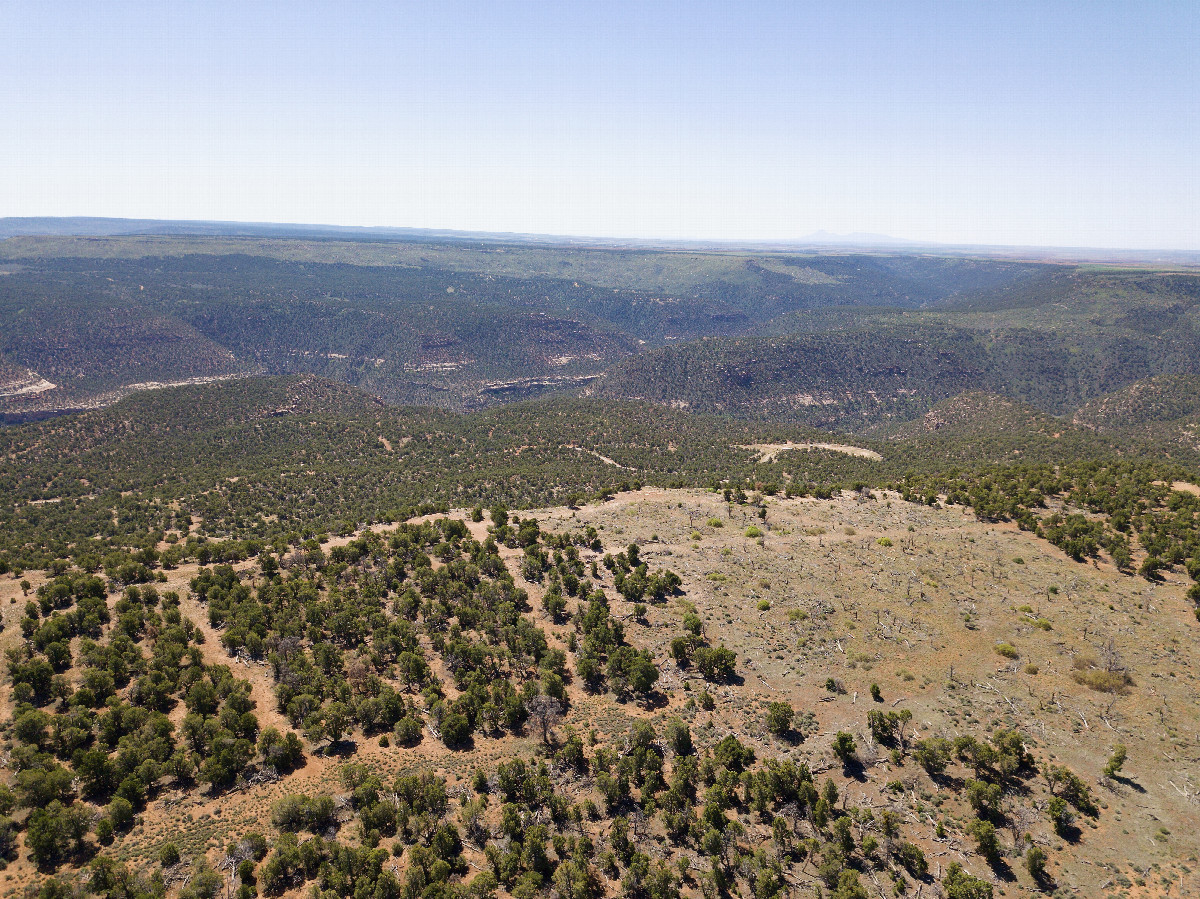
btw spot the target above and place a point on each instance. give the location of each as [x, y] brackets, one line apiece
[883, 244]
[1018, 125]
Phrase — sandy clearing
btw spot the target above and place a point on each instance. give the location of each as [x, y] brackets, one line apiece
[186, 382]
[605, 459]
[29, 389]
[769, 452]
[1181, 486]
[108, 397]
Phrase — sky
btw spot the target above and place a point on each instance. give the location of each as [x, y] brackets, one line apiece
[1043, 123]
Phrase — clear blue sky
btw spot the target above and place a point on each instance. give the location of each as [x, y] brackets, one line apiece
[1048, 123]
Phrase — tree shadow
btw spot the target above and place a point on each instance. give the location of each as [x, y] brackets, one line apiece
[855, 769]
[1129, 782]
[1003, 870]
[1045, 882]
[75, 855]
[947, 781]
[653, 701]
[84, 854]
[1070, 833]
[1018, 787]
[341, 748]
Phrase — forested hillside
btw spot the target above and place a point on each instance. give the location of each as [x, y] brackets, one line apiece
[453, 326]
[261, 458]
[424, 569]
[831, 341]
[1087, 336]
[653, 694]
[1165, 410]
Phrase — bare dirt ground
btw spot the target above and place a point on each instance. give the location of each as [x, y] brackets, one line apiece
[769, 452]
[40, 396]
[27, 388]
[909, 597]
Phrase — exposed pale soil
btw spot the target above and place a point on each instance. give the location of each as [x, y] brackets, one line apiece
[769, 452]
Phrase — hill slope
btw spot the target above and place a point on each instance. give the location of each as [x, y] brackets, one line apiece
[975, 428]
[262, 457]
[840, 370]
[853, 340]
[445, 324]
[725, 733]
[1163, 410]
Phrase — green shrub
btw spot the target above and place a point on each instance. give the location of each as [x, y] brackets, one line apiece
[1103, 681]
[455, 729]
[779, 718]
[120, 812]
[958, 884]
[1117, 761]
[407, 731]
[1060, 815]
[1035, 862]
[844, 747]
